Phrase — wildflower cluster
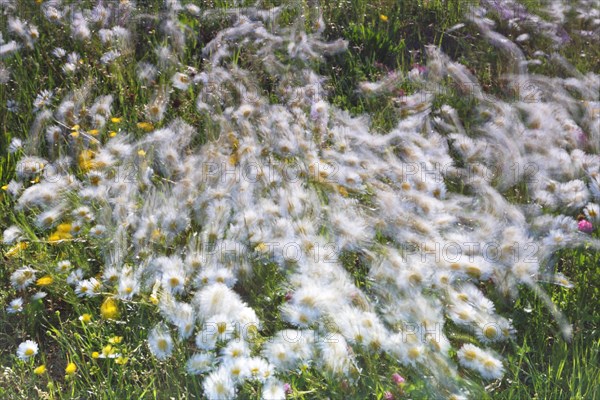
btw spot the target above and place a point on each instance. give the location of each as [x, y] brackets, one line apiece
[291, 180]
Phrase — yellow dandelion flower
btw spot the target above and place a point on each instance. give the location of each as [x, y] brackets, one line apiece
[141, 153]
[5, 187]
[95, 354]
[112, 133]
[65, 227]
[122, 360]
[86, 160]
[86, 318]
[116, 120]
[115, 339]
[16, 249]
[146, 126]
[45, 281]
[93, 132]
[71, 368]
[107, 350]
[109, 309]
[58, 236]
[54, 238]
[40, 370]
[384, 18]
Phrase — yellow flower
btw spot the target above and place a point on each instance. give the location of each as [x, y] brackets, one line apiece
[40, 370]
[109, 309]
[116, 120]
[93, 132]
[107, 350]
[384, 18]
[141, 153]
[261, 247]
[58, 236]
[86, 318]
[71, 368]
[147, 126]
[45, 281]
[156, 234]
[112, 133]
[95, 354]
[115, 339]
[54, 238]
[122, 360]
[86, 160]
[16, 249]
[64, 228]
[75, 131]
[5, 187]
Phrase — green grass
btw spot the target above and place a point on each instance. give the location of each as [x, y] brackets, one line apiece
[540, 363]
[543, 365]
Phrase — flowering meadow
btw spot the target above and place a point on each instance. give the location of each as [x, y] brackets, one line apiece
[299, 200]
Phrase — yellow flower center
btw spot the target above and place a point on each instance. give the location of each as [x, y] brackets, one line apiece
[490, 332]
[414, 353]
[470, 355]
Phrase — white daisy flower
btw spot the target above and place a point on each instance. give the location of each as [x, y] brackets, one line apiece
[27, 349]
[98, 231]
[15, 306]
[15, 145]
[160, 342]
[592, 212]
[63, 266]
[88, 288]
[219, 386]
[181, 81]
[273, 389]
[12, 234]
[200, 363]
[22, 278]
[39, 296]
[235, 349]
[237, 368]
[75, 276]
[43, 99]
